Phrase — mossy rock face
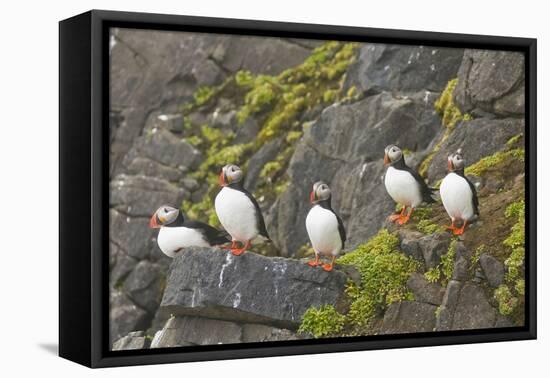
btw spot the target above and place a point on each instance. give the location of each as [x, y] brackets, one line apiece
[494, 133]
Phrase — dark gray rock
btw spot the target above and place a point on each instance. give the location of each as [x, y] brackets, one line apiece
[473, 310]
[425, 291]
[260, 333]
[190, 330]
[477, 138]
[131, 234]
[408, 317]
[266, 153]
[258, 55]
[147, 167]
[249, 288]
[411, 247]
[133, 340]
[165, 148]
[144, 285]
[493, 269]
[493, 81]
[125, 316]
[399, 68]
[121, 267]
[503, 322]
[444, 319]
[452, 293]
[447, 309]
[461, 267]
[433, 247]
[351, 163]
[140, 196]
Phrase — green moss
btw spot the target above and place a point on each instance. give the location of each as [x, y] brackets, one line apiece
[428, 227]
[509, 295]
[444, 270]
[474, 260]
[423, 169]
[203, 94]
[277, 104]
[520, 287]
[322, 322]
[446, 107]
[448, 261]
[506, 300]
[384, 272]
[433, 275]
[514, 140]
[515, 241]
[495, 160]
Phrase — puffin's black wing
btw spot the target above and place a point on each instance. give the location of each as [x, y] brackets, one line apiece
[259, 217]
[341, 229]
[475, 201]
[426, 191]
[212, 235]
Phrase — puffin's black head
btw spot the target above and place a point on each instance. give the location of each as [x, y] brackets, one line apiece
[455, 161]
[230, 174]
[163, 216]
[320, 192]
[392, 154]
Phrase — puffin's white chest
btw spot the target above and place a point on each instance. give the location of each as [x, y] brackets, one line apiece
[171, 239]
[456, 196]
[402, 187]
[237, 214]
[322, 228]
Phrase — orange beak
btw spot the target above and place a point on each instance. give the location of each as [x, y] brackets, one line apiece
[153, 222]
[221, 179]
[312, 197]
[386, 159]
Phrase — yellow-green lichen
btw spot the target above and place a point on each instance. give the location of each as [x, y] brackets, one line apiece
[444, 270]
[322, 322]
[515, 241]
[428, 227]
[507, 303]
[446, 107]
[277, 103]
[514, 140]
[433, 274]
[495, 160]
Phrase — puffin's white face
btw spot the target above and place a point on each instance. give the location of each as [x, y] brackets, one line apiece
[455, 162]
[230, 173]
[392, 153]
[163, 216]
[320, 192]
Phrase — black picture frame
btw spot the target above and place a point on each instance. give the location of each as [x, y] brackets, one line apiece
[83, 181]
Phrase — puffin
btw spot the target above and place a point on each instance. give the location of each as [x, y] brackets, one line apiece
[404, 185]
[177, 233]
[238, 211]
[324, 227]
[458, 194]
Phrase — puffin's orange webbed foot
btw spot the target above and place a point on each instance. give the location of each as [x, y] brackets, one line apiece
[240, 251]
[327, 267]
[394, 217]
[403, 220]
[460, 231]
[315, 262]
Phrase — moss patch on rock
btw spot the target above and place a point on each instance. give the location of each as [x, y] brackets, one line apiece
[446, 107]
[277, 103]
[494, 161]
[322, 322]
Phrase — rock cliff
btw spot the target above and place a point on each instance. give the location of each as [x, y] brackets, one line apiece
[292, 112]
